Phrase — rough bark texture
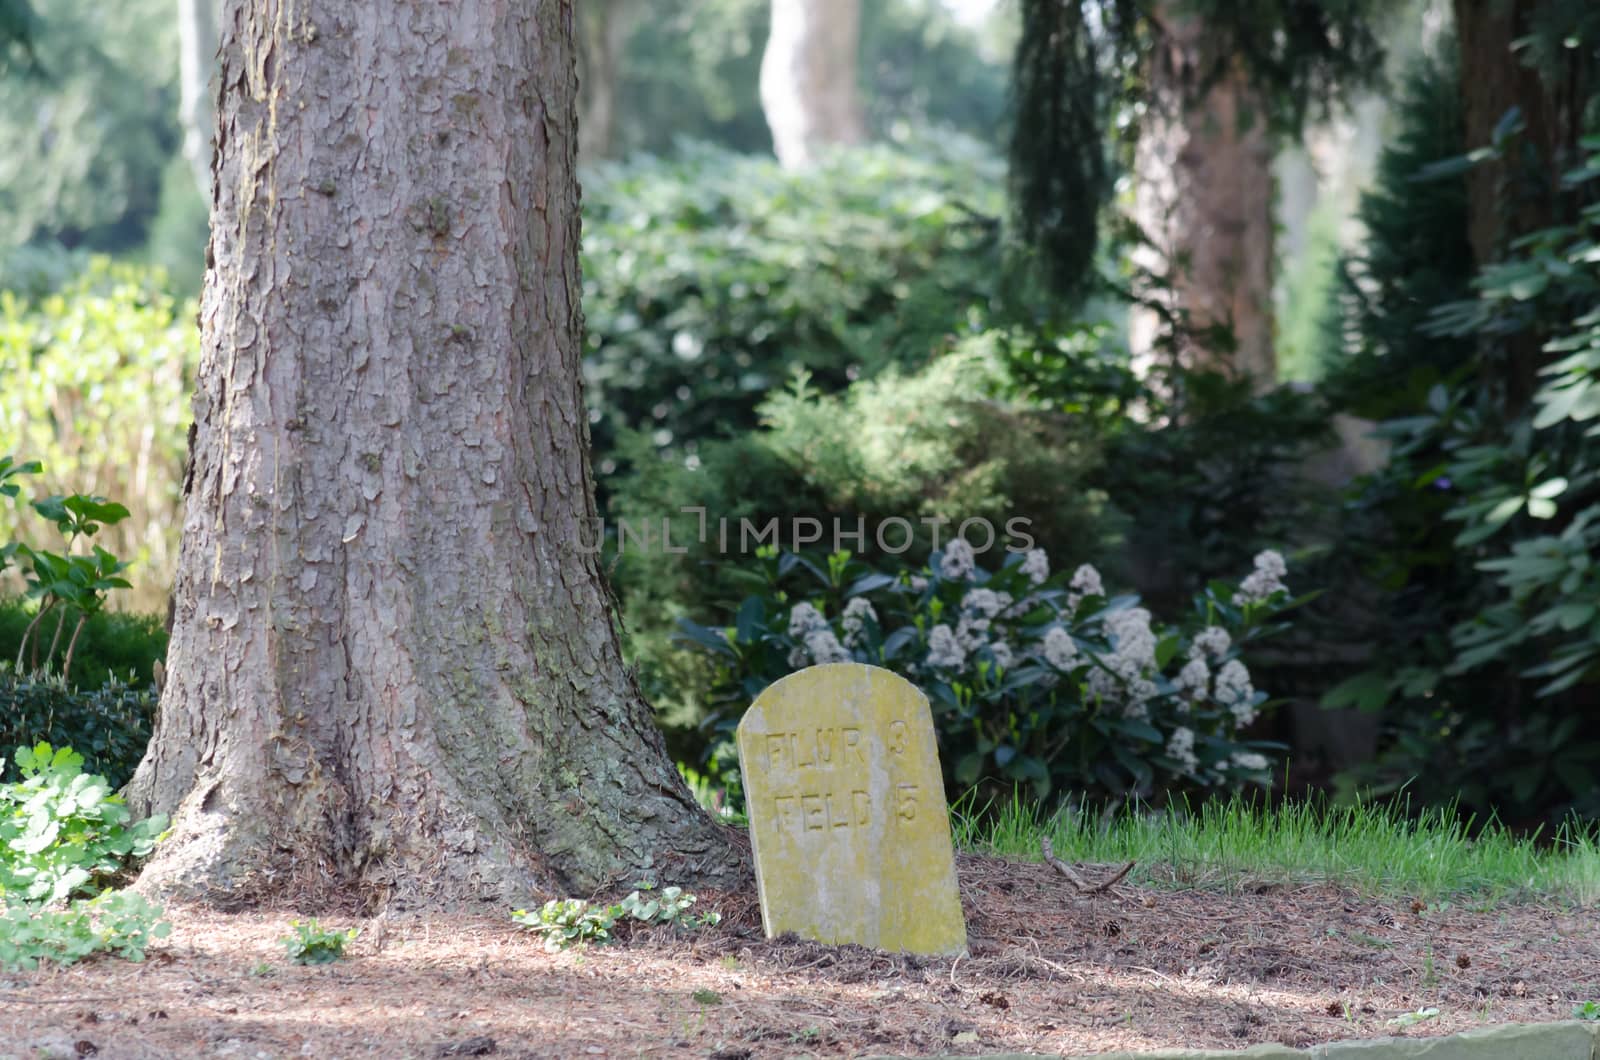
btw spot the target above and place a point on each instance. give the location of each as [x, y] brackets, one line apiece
[393, 668]
[1204, 198]
[603, 27]
[197, 53]
[808, 78]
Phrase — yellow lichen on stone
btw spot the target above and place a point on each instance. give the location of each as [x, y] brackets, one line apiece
[848, 821]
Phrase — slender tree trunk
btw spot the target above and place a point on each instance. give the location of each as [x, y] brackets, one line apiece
[393, 667]
[603, 27]
[1204, 198]
[808, 78]
[197, 54]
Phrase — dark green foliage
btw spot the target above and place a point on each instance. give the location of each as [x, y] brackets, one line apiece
[1481, 531]
[1204, 492]
[1065, 90]
[114, 644]
[1034, 679]
[18, 28]
[108, 725]
[934, 444]
[1416, 256]
[709, 278]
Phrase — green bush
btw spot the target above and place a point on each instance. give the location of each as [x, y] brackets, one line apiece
[96, 380]
[711, 277]
[64, 837]
[1034, 678]
[929, 445]
[1482, 529]
[115, 644]
[108, 724]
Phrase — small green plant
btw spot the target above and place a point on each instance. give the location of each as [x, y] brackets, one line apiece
[311, 943]
[671, 906]
[63, 838]
[63, 833]
[567, 922]
[116, 922]
[1589, 1010]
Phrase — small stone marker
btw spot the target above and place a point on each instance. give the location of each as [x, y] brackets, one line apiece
[848, 821]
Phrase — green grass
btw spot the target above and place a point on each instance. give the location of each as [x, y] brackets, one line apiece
[1371, 847]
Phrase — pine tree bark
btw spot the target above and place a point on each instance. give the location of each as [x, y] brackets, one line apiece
[1204, 195]
[808, 78]
[393, 668]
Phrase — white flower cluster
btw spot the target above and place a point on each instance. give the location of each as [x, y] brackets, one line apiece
[1249, 761]
[1002, 654]
[803, 618]
[1085, 582]
[1212, 642]
[857, 613]
[1234, 691]
[1059, 649]
[1265, 580]
[944, 651]
[959, 562]
[1180, 745]
[985, 603]
[1124, 678]
[824, 647]
[1035, 566]
[807, 625]
[1193, 680]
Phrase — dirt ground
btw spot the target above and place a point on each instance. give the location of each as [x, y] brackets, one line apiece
[1049, 971]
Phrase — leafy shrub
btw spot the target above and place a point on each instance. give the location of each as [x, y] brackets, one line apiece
[63, 833]
[567, 922]
[119, 645]
[63, 838]
[710, 277]
[1482, 528]
[97, 378]
[929, 445]
[120, 923]
[311, 943]
[1032, 678]
[109, 725]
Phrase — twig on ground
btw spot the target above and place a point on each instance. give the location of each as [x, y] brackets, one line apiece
[1077, 881]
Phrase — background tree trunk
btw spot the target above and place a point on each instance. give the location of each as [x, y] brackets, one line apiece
[603, 27]
[1204, 197]
[197, 54]
[808, 78]
[393, 666]
[1509, 197]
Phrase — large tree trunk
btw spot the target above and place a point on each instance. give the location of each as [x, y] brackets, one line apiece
[808, 78]
[1203, 177]
[394, 667]
[197, 53]
[603, 27]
